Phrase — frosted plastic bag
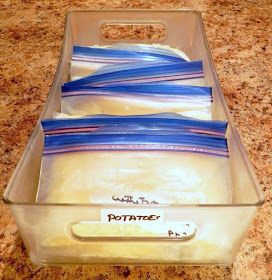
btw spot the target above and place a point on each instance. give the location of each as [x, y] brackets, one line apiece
[156, 49]
[190, 72]
[164, 122]
[190, 101]
[86, 60]
[161, 169]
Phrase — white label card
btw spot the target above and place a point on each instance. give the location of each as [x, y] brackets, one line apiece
[131, 216]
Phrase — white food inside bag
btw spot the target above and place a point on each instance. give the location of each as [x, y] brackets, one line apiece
[164, 177]
[130, 105]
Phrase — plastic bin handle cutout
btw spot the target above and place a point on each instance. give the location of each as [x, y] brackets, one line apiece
[97, 231]
[133, 31]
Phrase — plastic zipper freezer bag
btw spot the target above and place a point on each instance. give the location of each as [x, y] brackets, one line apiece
[86, 60]
[190, 101]
[156, 49]
[182, 73]
[164, 122]
[162, 169]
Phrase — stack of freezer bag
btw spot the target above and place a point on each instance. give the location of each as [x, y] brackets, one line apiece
[165, 158]
[120, 149]
[127, 79]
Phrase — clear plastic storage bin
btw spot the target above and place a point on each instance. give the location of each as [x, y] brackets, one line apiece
[189, 234]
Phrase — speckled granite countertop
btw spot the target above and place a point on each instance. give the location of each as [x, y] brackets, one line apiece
[239, 34]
